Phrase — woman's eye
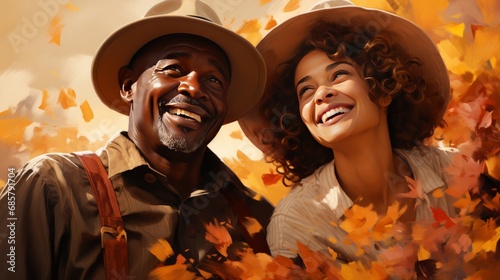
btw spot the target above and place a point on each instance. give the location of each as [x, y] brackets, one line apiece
[339, 73]
[303, 90]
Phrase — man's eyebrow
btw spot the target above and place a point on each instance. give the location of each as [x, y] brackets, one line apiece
[329, 67]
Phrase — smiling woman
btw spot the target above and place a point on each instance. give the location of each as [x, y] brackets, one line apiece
[353, 109]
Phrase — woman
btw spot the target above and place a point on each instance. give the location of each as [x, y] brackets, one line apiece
[366, 86]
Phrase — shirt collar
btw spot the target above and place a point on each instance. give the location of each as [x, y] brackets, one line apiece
[120, 154]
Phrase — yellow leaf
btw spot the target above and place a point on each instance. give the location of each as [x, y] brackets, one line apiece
[423, 254]
[55, 29]
[87, 113]
[161, 250]
[67, 98]
[252, 225]
[438, 193]
[219, 236]
[251, 31]
[237, 134]
[291, 6]
[45, 97]
[456, 29]
[70, 6]
[176, 271]
[13, 130]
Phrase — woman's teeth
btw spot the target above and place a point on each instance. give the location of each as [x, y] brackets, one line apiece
[333, 112]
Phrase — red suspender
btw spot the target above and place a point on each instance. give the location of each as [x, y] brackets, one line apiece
[113, 235]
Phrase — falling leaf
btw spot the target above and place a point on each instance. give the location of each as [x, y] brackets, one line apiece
[291, 6]
[162, 250]
[13, 129]
[252, 225]
[441, 216]
[45, 97]
[71, 7]
[67, 98]
[251, 31]
[270, 23]
[175, 271]
[87, 113]
[271, 178]
[219, 236]
[55, 29]
[237, 134]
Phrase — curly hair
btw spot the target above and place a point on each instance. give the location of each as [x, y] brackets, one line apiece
[412, 115]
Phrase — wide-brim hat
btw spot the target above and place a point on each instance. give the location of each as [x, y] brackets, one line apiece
[248, 72]
[281, 43]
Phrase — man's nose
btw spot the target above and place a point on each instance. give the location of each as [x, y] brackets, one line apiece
[190, 84]
[323, 93]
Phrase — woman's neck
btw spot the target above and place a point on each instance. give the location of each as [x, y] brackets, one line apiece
[365, 169]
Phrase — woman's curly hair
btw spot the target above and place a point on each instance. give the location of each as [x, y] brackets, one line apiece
[413, 114]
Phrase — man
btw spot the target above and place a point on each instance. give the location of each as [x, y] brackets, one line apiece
[179, 76]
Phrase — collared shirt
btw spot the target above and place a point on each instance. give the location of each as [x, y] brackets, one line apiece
[57, 231]
[306, 213]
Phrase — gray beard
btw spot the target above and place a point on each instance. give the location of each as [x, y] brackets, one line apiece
[177, 143]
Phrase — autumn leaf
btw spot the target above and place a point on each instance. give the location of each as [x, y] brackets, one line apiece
[415, 192]
[271, 178]
[67, 98]
[358, 223]
[440, 217]
[237, 134]
[219, 236]
[44, 102]
[162, 250]
[55, 29]
[175, 271]
[291, 6]
[252, 225]
[87, 113]
[270, 23]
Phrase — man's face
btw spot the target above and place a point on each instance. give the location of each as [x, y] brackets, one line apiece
[179, 100]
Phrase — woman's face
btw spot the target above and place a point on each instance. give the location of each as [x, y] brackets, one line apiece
[333, 100]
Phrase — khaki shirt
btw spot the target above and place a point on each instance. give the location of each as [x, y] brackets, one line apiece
[57, 226]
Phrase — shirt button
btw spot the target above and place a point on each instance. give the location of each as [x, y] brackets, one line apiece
[150, 178]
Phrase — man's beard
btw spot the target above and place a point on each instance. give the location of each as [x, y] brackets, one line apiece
[175, 142]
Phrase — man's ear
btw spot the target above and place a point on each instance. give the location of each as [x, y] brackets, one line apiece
[126, 77]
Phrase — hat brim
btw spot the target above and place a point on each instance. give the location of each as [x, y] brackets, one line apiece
[280, 44]
[248, 73]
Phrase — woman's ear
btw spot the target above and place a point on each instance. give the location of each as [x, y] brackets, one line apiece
[385, 101]
[126, 77]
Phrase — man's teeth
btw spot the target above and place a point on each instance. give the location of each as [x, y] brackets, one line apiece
[333, 112]
[180, 112]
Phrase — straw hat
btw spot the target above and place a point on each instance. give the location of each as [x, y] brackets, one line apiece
[282, 41]
[177, 16]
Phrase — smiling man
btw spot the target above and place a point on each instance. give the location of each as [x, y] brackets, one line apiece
[179, 78]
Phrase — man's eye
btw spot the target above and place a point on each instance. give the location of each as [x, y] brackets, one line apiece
[217, 81]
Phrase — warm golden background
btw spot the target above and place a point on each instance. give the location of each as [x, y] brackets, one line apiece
[47, 103]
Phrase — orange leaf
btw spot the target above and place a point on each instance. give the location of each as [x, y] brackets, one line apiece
[67, 98]
[237, 134]
[45, 97]
[292, 5]
[440, 216]
[55, 29]
[252, 225]
[271, 178]
[162, 250]
[175, 271]
[87, 113]
[219, 236]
